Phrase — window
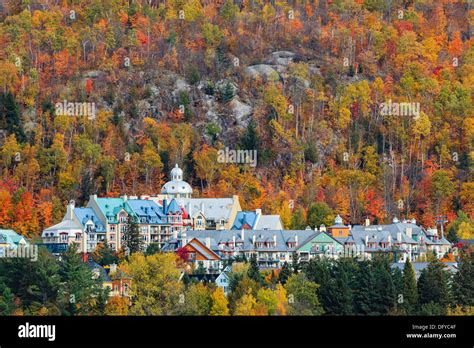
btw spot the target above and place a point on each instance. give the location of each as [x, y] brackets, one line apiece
[199, 221]
[112, 228]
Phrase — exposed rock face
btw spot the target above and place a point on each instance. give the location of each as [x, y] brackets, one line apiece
[263, 71]
[281, 58]
[181, 85]
[241, 111]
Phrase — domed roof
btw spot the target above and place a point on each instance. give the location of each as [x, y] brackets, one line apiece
[176, 173]
[177, 185]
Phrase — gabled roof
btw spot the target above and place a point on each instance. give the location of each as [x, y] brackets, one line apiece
[173, 207]
[11, 237]
[88, 214]
[69, 226]
[244, 218]
[269, 222]
[201, 248]
[215, 209]
[148, 209]
[110, 207]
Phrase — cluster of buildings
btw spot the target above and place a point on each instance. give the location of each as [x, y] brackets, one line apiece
[212, 230]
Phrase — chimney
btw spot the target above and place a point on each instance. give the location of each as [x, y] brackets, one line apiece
[242, 234]
[389, 239]
[296, 239]
[253, 239]
[184, 240]
[125, 198]
[70, 210]
[84, 241]
[258, 211]
[322, 228]
[315, 228]
[367, 222]
[233, 240]
[366, 239]
[399, 237]
[208, 242]
[93, 198]
[409, 232]
[190, 209]
[274, 239]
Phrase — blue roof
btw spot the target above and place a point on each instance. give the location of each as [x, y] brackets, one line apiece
[173, 207]
[244, 217]
[147, 209]
[86, 214]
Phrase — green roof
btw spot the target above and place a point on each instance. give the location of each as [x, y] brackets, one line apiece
[12, 236]
[112, 206]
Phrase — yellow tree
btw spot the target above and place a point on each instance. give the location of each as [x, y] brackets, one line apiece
[220, 305]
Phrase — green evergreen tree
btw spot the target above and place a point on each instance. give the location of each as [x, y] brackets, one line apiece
[433, 286]
[384, 297]
[463, 280]
[10, 116]
[365, 293]
[227, 93]
[106, 255]
[254, 270]
[295, 262]
[410, 293]
[284, 274]
[152, 248]
[338, 292]
[7, 302]
[79, 287]
[132, 242]
[249, 140]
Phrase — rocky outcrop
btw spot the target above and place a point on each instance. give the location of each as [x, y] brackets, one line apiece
[262, 71]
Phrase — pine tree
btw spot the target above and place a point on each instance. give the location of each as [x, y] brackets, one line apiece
[410, 294]
[463, 281]
[249, 140]
[78, 287]
[284, 273]
[254, 271]
[7, 302]
[364, 296]
[384, 288]
[433, 286]
[227, 93]
[295, 262]
[10, 116]
[132, 241]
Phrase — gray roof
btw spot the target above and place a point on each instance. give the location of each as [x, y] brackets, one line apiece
[212, 208]
[268, 222]
[419, 266]
[219, 236]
